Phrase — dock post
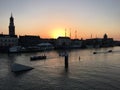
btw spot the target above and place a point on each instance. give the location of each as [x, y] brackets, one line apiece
[66, 61]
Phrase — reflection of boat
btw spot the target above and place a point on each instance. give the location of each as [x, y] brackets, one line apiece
[38, 57]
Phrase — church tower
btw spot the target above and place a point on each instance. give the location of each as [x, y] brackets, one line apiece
[105, 36]
[11, 26]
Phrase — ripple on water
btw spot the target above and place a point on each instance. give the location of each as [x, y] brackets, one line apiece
[92, 72]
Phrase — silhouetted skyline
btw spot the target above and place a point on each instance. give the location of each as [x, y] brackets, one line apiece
[49, 18]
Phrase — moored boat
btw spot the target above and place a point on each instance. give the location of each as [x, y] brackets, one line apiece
[109, 50]
[94, 52]
[38, 57]
[14, 49]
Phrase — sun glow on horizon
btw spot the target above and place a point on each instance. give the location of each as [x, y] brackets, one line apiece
[57, 33]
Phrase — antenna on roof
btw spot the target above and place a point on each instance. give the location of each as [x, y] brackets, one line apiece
[70, 32]
[91, 36]
[75, 34]
[65, 32]
[96, 35]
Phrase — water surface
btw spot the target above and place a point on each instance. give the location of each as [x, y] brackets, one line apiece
[91, 72]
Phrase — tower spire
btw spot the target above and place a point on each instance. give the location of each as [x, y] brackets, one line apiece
[11, 26]
[11, 14]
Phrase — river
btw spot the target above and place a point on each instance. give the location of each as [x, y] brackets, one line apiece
[89, 72]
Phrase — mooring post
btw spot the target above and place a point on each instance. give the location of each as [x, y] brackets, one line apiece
[66, 61]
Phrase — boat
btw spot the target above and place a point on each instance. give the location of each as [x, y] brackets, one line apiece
[109, 51]
[15, 67]
[89, 46]
[94, 52]
[38, 57]
[14, 49]
[45, 46]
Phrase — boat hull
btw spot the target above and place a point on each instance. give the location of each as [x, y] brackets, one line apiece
[37, 58]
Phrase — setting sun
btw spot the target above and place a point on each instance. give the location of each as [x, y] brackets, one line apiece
[58, 32]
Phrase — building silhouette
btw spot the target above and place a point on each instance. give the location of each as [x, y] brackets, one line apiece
[8, 40]
[106, 41]
[29, 40]
[11, 26]
[105, 36]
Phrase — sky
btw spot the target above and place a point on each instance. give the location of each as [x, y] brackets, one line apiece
[52, 18]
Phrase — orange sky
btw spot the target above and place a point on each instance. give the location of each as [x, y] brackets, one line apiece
[49, 18]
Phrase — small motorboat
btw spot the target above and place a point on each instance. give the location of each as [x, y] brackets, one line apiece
[38, 57]
[94, 52]
[109, 50]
